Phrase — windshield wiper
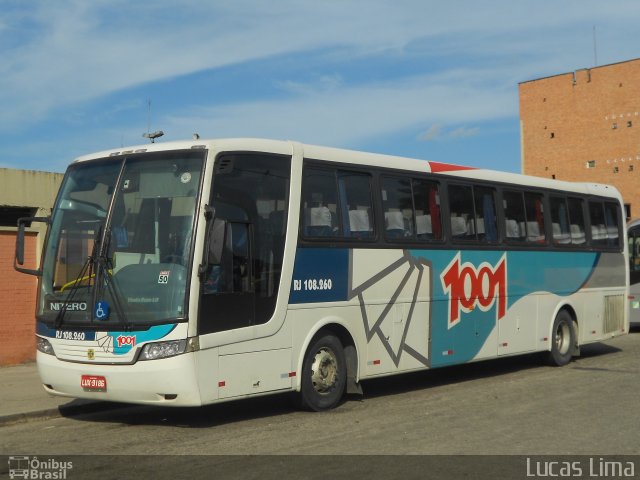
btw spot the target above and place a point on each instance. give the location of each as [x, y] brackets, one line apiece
[86, 273]
[105, 268]
[98, 267]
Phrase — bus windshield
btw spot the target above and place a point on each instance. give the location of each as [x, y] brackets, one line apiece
[120, 243]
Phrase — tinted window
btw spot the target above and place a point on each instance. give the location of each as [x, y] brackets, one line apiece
[576, 218]
[411, 209]
[336, 203]
[473, 216]
[514, 215]
[560, 221]
[605, 223]
[534, 207]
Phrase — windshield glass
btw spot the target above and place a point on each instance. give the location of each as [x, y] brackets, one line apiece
[122, 259]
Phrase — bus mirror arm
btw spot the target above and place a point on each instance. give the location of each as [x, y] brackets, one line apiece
[19, 257]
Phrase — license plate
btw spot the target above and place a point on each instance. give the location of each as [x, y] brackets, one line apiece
[93, 383]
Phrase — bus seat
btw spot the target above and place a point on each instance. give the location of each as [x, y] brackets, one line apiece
[533, 232]
[577, 234]
[612, 233]
[479, 223]
[423, 226]
[394, 224]
[319, 222]
[598, 232]
[359, 224]
[512, 229]
[558, 235]
[458, 226]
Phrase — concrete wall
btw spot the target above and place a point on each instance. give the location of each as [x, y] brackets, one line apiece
[585, 126]
[22, 188]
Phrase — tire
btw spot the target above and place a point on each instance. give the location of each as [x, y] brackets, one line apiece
[563, 340]
[324, 374]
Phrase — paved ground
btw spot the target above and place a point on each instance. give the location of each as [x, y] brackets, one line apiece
[22, 397]
[497, 414]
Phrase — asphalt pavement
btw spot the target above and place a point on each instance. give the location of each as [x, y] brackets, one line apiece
[23, 398]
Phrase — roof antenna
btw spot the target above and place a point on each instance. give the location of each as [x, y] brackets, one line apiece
[149, 135]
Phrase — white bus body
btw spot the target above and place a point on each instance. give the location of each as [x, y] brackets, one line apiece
[190, 273]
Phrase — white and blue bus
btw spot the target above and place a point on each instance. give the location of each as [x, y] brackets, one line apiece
[196, 272]
[633, 232]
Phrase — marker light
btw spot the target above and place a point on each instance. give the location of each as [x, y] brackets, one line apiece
[43, 345]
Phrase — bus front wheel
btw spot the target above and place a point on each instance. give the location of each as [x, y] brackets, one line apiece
[563, 339]
[324, 374]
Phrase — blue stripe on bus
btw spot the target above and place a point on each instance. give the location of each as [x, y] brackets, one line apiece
[322, 275]
[121, 341]
[558, 273]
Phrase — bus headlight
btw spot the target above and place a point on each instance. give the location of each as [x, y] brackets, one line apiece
[157, 350]
[43, 345]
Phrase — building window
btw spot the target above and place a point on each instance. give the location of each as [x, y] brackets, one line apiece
[614, 126]
[9, 215]
[631, 168]
[552, 135]
[629, 123]
[616, 169]
[591, 164]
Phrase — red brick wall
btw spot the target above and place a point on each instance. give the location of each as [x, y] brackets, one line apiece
[17, 302]
[567, 120]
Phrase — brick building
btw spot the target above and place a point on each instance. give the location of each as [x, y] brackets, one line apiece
[23, 193]
[585, 126]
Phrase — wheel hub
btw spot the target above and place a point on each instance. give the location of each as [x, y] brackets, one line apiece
[324, 371]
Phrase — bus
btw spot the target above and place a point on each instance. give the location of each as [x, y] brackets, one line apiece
[633, 232]
[189, 273]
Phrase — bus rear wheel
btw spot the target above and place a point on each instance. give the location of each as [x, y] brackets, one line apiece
[563, 339]
[324, 374]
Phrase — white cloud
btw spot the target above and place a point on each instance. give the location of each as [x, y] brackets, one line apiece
[348, 115]
[437, 132]
[463, 132]
[79, 50]
[466, 61]
[432, 133]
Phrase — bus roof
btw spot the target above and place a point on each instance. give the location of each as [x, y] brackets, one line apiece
[339, 155]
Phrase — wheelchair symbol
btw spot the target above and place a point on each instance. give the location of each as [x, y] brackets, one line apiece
[101, 311]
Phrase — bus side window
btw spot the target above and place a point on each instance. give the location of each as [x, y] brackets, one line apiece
[354, 190]
[397, 204]
[534, 208]
[426, 198]
[461, 207]
[598, 227]
[485, 215]
[611, 212]
[514, 215]
[560, 221]
[319, 200]
[576, 218]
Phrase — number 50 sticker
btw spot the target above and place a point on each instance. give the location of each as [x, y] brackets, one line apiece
[163, 277]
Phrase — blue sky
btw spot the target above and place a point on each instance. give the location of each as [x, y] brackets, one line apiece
[427, 79]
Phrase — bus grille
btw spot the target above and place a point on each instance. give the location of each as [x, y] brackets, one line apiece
[613, 313]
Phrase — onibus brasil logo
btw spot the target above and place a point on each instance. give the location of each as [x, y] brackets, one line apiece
[470, 287]
[35, 468]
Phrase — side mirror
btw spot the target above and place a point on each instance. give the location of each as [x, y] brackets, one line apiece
[214, 241]
[19, 257]
[217, 236]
